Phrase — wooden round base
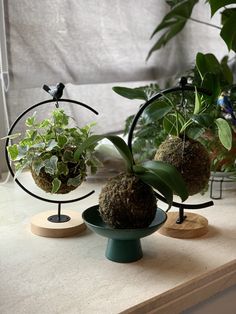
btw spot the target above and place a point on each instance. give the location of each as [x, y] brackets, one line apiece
[41, 226]
[193, 226]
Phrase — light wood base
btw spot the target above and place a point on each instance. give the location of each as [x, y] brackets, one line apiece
[44, 228]
[193, 226]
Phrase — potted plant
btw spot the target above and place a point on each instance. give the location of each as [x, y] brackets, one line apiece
[127, 209]
[128, 201]
[47, 150]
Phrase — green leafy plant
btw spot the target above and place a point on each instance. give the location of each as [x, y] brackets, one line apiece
[128, 200]
[197, 118]
[180, 13]
[164, 177]
[47, 149]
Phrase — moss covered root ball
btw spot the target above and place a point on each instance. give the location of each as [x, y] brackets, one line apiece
[190, 158]
[127, 202]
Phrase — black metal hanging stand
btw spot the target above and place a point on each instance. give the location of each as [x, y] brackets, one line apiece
[183, 86]
[57, 218]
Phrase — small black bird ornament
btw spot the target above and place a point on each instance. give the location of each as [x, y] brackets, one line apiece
[55, 91]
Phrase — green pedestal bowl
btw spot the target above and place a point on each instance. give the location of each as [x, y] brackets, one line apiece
[124, 245]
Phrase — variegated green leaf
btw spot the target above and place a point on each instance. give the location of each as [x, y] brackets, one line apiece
[56, 183]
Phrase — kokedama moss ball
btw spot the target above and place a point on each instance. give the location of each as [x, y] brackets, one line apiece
[44, 180]
[190, 158]
[127, 202]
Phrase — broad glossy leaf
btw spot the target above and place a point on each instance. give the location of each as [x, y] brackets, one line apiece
[207, 63]
[157, 110]
[218, 4]
[56, 183]
[211, 82]
[155, 181]
[228, 32]
[122, 148]
[224, 133]
[130, 93]
[139, 169]
[170, 176]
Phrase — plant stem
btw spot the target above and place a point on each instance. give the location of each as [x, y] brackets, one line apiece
[205, 23]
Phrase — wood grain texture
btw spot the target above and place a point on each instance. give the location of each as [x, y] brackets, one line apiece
[193, 226]
[44, 228]
[190, 293]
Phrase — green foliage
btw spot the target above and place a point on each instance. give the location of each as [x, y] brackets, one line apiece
[49, 145]
[156, 174]
[180, 12]
[219, 4]
[172, 115]
[173, 22]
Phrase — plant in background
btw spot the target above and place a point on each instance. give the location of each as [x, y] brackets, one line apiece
[48, 148]
[158, 119]
[128, 199]
[180, 13]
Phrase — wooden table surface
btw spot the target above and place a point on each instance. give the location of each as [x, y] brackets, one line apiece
[72, 275]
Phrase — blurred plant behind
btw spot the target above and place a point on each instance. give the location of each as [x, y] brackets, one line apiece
[205, 120]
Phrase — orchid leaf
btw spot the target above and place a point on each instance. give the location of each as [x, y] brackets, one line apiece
[118, 142]
[155, 180]
[170, 176]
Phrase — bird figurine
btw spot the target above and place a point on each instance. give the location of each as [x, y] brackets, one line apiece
[226, 106]
[55, 91]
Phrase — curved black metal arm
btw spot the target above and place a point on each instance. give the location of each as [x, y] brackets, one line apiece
[182, 87]
[7, 142]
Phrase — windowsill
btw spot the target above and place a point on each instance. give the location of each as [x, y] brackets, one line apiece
[72, 275]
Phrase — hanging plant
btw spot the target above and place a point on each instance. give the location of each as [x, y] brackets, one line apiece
[47, 150]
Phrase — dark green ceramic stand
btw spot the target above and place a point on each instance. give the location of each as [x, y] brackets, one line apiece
[124, 245]
[124, 251]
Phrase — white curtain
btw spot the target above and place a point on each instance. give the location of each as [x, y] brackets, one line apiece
[91, 46]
